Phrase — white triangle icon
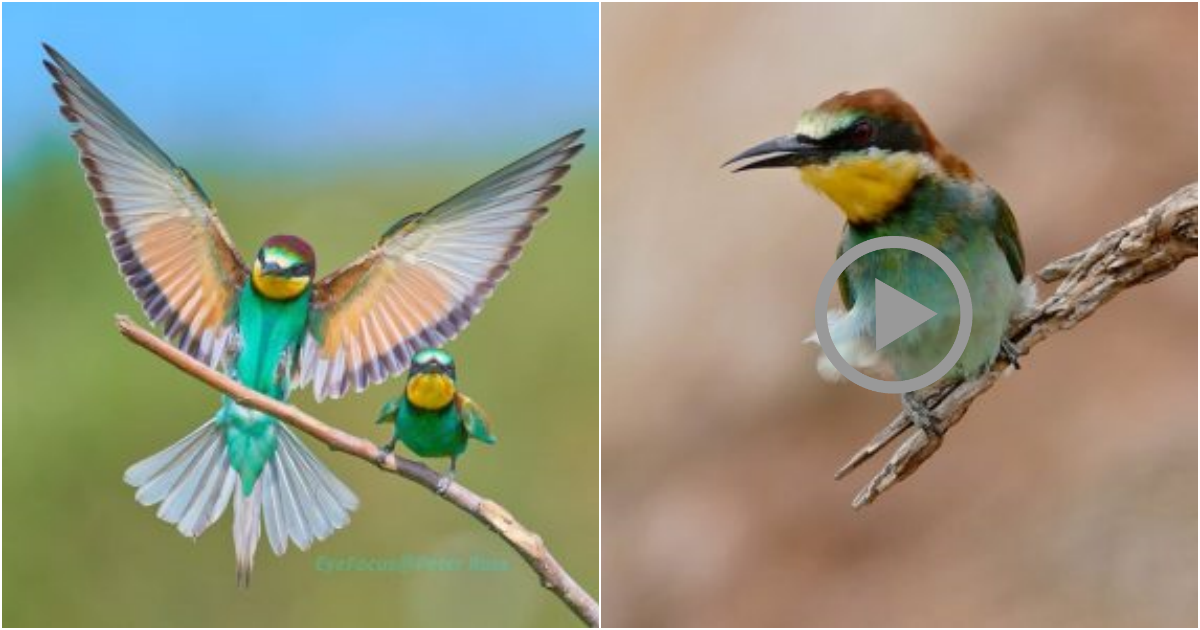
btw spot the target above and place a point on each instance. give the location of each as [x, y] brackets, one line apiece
[896, 314]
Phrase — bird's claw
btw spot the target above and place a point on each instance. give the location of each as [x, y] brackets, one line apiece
[443, 484]
[1010, 353]
[921, 416]
[384, 451]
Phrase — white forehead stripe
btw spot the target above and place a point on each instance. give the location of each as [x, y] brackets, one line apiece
[820, 124]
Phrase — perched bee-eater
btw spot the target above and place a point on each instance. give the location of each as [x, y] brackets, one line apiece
[432, 417]
[876, 159]
[273, 326]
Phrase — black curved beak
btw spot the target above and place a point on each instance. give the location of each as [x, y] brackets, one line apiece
[793, 150]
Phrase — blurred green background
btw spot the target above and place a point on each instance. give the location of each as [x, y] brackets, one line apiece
[335, 159]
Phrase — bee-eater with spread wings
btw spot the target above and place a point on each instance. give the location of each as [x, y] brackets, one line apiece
[273, 326]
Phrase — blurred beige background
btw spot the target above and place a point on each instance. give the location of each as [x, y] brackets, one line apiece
[1067, 497]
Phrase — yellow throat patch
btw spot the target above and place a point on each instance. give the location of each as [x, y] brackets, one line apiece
[275, 287]
[866, 186]
[430, 391]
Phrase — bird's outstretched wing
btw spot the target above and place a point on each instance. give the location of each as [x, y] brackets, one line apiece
[426, 277]
[475, 419]
[162, 229]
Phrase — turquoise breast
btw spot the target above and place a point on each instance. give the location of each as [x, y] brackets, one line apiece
[956, 219]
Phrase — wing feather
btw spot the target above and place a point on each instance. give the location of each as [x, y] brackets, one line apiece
[427, 276]
[162, 229]
[475, 420]
[1008, 238]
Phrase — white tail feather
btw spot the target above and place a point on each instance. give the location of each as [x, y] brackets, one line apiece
[297, 498]
[191, 479]
[246, 529]
[304, 501]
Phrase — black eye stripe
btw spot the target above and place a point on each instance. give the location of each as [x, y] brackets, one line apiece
[866, 133]
[294, 271]
[859, 134]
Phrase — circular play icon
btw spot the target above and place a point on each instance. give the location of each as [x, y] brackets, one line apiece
[895, 314]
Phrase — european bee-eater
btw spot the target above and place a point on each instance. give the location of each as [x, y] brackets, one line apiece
[432, 417]
[876, 159]
[273, 326]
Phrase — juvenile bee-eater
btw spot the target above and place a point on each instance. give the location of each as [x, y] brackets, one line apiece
[876, 159]
[273, 326]
[432, 417]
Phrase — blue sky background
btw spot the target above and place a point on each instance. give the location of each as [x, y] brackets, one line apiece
[311, 81]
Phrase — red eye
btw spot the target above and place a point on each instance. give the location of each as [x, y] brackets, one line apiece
[862, 132]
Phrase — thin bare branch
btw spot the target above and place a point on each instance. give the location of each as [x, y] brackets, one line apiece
[525, 541]
[1143, 250]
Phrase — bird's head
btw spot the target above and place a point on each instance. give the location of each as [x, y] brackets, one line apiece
[865, 151]
[431, 379]
[284, 267]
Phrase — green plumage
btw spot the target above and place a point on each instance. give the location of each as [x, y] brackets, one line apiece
[440, 432]
[435, 433]
[974, 227]
[270, 331]
[428, 433]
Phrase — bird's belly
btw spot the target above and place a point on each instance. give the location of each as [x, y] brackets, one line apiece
[431, 434]
[269, 334]
[994, 298]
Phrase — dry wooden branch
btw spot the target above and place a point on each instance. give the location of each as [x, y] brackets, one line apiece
[1143, 250]
[526, 542]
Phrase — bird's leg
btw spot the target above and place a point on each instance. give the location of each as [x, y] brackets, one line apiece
[445, 480]
[1010, 353]
[921, 416]
[385, 450]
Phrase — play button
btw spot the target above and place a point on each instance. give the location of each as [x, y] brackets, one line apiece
[896, 314]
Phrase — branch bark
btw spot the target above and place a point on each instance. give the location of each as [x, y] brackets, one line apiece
[1143, 250]
[525, 541]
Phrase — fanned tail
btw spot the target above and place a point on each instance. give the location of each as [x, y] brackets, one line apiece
[191, 479]
[302, 500]
[297, 498]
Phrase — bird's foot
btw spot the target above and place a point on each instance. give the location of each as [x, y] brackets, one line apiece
[444, 483]
[921, 416]
[1010, 353]
[384, 451]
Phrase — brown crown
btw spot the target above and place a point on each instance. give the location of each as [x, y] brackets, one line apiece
[294, 244]
[885, 103]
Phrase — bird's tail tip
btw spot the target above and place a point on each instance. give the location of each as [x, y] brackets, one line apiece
[247, 510]
[243, 574]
